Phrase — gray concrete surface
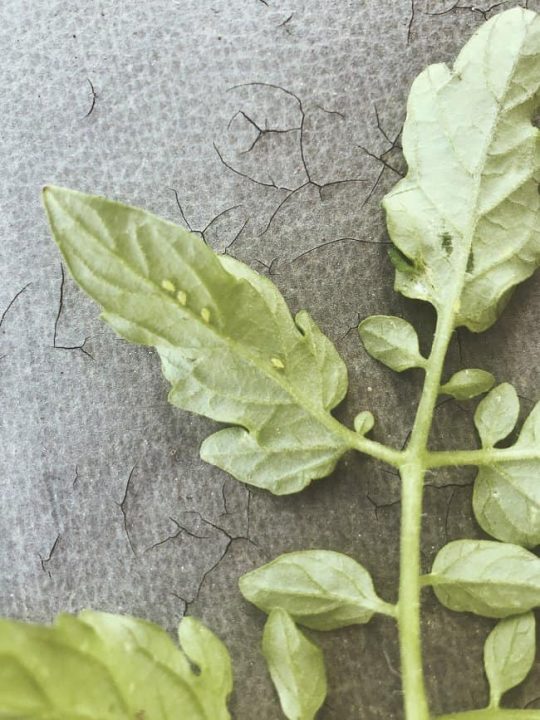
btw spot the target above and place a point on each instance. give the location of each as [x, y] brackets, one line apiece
[97, 472]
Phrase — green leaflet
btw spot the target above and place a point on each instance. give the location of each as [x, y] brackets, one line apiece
[320, 589]
[509, 654]
[392, 341]
[296, 666]
[227, 341]
[467, 213]
[486, 578]
[506, 498]
[364, 422]
[111, 667]
[497, 414]
[467, 384]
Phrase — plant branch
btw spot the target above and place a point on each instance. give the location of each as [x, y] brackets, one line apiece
[412, 473]
[485, 456]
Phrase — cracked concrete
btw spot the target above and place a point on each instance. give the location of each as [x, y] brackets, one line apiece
[272, 128]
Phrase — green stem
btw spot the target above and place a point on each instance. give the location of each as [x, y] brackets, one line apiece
[412, 473]
[487, 456]
[493, 714]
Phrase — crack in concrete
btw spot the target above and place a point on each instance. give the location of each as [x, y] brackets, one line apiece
[122, 507]
[45, 561]
[57, 320]
[301, 129]
[470, 8]
[94, 98]
[338, 240]
[261, 132]
[411, 22]
[394, 143]
[180, 530]
[11, 303]
[285, 23]
[230, 540]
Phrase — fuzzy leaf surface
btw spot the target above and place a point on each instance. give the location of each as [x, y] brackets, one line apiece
[392, 341]
[506, 498]
[296, 667]
[228, 343]
[497, 414]
[111, 667]
[486, 578]
[509, 654]
[320, 589]
[467, 384]
[364, 422]
[466, 215]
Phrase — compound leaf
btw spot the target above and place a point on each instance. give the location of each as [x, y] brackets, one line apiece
[320, 589]
[497, 414]
[296, 667]
[227, 342]
[112, 667]
[392, 341]
[466, 216]
[509, 654]
[486, 578]
[506, 497]
[467, 384]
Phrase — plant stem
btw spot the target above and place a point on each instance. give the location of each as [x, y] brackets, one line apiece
[412, 473]
[486, 456]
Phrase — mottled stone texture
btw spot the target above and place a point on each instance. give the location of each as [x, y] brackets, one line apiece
[203, 104]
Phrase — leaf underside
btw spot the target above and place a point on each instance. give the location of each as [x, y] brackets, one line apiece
[320, 589]
[486, 578]
[227, 341]
[296, 666]
[509, 654]
[466, 216]
[506, 497]
[111, 667]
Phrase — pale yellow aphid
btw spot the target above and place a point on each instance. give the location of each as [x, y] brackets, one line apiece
[277, 363]
[168, 285]
[205, 314]
[181, 296]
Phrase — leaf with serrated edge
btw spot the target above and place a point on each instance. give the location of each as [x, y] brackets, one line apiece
[392, 341]
[296, 666]
[497, 414]
[509, 654]
[112, 667]
[486, 578]
[227, 341]
[467, 384]
[467, 213]
[506, 497]
[320, 589]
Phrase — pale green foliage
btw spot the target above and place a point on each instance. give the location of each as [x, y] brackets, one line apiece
[111, 667]
[506, 498]
[392, 341]
[465, 227]
[296, 666]
[467, 213]
[497, 414]
[467, 384]
[486, 578]
[228, 344]
[509, 654]
[364, 422]
[320, 589]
